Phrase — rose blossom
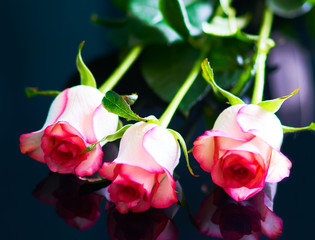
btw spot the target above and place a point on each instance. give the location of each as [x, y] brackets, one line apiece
[242, 151]
[142, 172]
[75, 120]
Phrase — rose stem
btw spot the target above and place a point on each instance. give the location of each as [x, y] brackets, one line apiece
[171, 108]
[262, 52]
[113, 79]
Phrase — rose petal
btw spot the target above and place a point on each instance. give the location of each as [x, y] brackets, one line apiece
[92, 163]
[226, 123]
[138, 175]
[109, 170]
[163, 147]
[223, 171]
[81, 104]
[165, 194]
[135, 154]
[31, 143]
[279, 167]
[255, 146]
[56, 108]
[101, 116]
[204, 148]
[262, 123]
[242, 193]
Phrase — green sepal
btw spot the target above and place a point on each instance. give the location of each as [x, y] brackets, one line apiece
[116, 104]
[184, 148]
[152, 119]
[274, 104]
[32, 92]
[208, 75]
[110, 138]
[287, 129]
[86, 76]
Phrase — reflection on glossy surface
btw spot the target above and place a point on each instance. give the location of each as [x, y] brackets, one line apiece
[153, 224]
[78, 210]
[79, 206]
[220, 216]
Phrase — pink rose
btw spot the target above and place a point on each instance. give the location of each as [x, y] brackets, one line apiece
[242, 151]
[75, 120]
[142, 172]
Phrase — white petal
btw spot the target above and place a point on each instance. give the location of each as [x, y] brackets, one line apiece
[262, 123]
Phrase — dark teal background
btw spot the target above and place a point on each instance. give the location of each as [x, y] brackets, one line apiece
[39, 41]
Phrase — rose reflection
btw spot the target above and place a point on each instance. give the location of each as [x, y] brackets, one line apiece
[221, 216]
[153, 224]
[78, 210]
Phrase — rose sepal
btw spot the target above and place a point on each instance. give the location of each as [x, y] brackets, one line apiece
[32, 92]
[274, 104]
[182, 143]
[86, 76]
[208, 76]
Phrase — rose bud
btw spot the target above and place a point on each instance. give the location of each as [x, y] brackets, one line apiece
[242, 151]
[141, 174]
[75, 120]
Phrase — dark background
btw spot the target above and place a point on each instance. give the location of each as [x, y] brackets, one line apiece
[39, 42]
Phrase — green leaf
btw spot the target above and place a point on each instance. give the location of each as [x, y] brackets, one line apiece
[110, 138]
[200, 12]
[184, 148]
[208, 75]
[147, 25]
[274, 104]
[116, 104]
[289, 8]
[175, 14]
[165, 70]
[86, 76]
[32, 92]
[287, 129]
[232, 61]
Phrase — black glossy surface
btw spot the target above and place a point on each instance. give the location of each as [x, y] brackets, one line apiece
[39, 43]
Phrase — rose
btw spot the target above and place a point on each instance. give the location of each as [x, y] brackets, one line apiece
[242, 150]
[142, 172]
[219, 216]
[75, 120]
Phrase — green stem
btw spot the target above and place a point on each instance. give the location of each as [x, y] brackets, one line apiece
[263, 49]
[287, 129]
[171, 109]
[113, 79]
